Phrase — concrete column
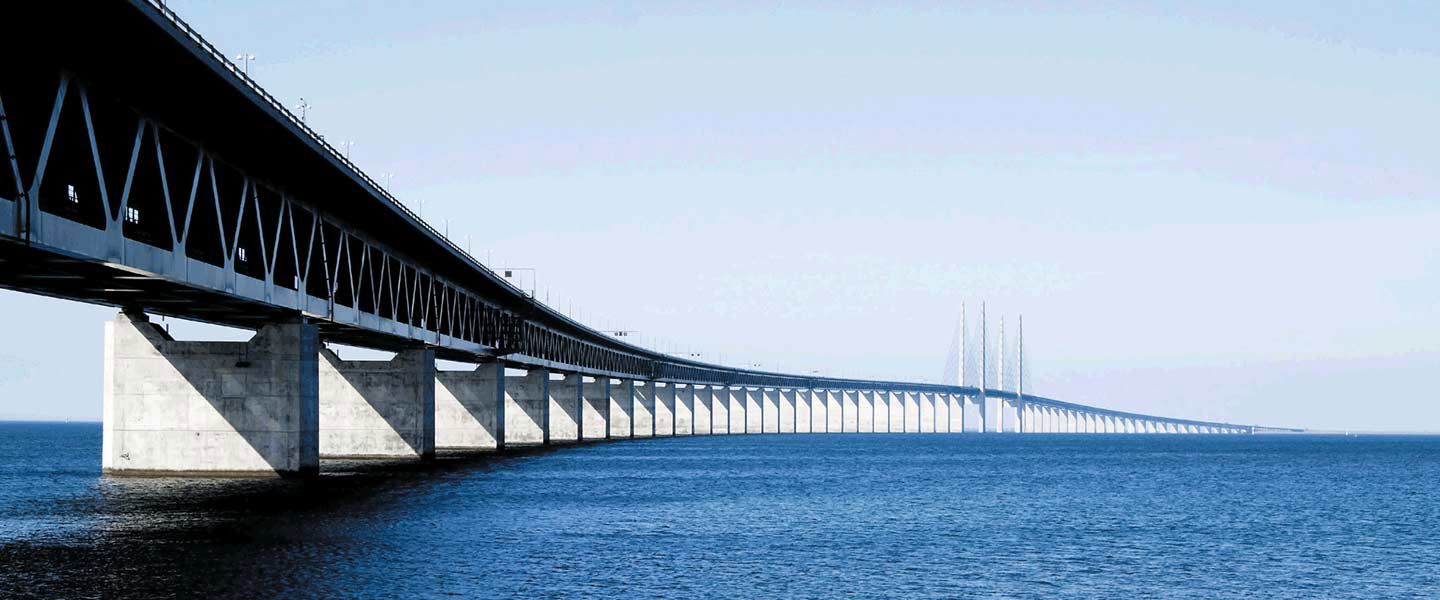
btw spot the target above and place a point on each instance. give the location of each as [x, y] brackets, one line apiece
[664, 398]
[880, 419]
[684, 409]
[720, 405]
[754, 411]
[595, 408]
[804, 413]
[789, 418]
[527, 399]
[941, 402]
[849, 411]
[704, 409]
[909, 412]
[818, 411]
[622, 408]
[954, 413]
[210, 408]
[892, 409]
[769, 410]
[644, 409]
[564, 409]
[378, 408]
[925, 412]
[833, 415]
[969, 414]
[865, 411]
[467, 406]
[739, 412]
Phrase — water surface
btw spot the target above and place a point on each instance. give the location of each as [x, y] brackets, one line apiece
[793, 516]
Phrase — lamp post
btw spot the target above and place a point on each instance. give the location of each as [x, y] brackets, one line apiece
[244, 60]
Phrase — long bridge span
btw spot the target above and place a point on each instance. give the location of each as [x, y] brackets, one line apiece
[146, 171]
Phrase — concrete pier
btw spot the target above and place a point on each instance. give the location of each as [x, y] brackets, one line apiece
[595, 408]
[865, 411]
[644, 418]
[926, 422]
[754, 410]
[834, 412]
[684, 409]
[894, 412]
[804, 411]
[735, 404]
[703, 402]
[210, 408]
[465, 407]
[378, 408]
[278, 403]
[720, 405]
[664, 397]
[770, 410]
[788, 411]
[849, 411]
[523, 412]
[564, 409]
[622, 408]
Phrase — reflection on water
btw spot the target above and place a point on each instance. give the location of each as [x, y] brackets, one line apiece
[815, 516]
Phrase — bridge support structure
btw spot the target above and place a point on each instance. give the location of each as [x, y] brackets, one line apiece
[218, 408]
[377, 408]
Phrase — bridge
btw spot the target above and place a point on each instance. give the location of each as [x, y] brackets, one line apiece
[147, 172]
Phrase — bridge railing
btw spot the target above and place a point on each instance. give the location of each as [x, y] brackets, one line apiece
[315, 137]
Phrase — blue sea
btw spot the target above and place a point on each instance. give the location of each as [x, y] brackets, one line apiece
[773, 517]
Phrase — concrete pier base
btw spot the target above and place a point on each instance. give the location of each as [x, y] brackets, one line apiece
[804, 417]
[788, 419]
[753, 410]
[926, 417]
[818, 411]
[622, 408]
[378, 408]
[895, 412]
[595, 408]
[973, 414]
[954, 413]
[849, 411]
[664, 398]
[644, 409]
[865, 419]
[721, 409]
[210, 408]
[735, 409]
[910, 412]
[564, 409]
[704, 399]
[684, 409]
[523, 418]
[770, 410]
[834, 412]
[466, 405]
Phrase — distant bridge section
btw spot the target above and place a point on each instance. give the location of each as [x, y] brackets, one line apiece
[147, 172]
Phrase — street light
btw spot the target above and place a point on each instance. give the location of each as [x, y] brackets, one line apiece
[304, 108]
[245, 59]
[347, 146]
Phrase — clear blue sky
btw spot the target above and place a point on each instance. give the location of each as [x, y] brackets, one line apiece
[1220, 212]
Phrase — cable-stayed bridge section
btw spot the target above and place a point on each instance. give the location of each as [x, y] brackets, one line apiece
[147, 172]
